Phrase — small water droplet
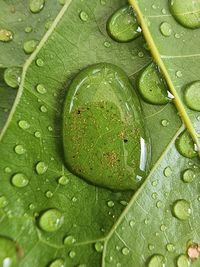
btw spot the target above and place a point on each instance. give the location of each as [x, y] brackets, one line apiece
[166, 29]
[151, 247]
[182, 209]
[5, 35]
[37, 134]
[8, 255]
[51, 220]
[123, 202]
[131, 223]
[167, 171]
[164, 123]
[192, 96]
[188, 176]
[170, 247]
[163, 227]
[157, 260]
[7, 170]
[20, 180]
[185, 145]
[98, 246]
[140, 54]
[183, 261]
[57, 263]
[154, 183]
[159, 204]
[177, 35]
[30, 46]
[48, 194]
[125, 251]
[107, 44]
[43, 109]
[20, 150]
[83, 16]
[39, 62]
[69, 240]
[41, 167]
[154, 195]
[3, 202]
[63, 180]
[164, 12]
[41, 89]
[36, 5]
[24, 125]
[28, 29]
[179, 74]
[110, 204]
[12, 76]
[72, 254]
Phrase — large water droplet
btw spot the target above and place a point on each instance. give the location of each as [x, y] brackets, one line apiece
[185, 145]
[24, 125]
[188, 176]
[186, 12]
[157, 260]
[182, 209]
[183, 261]
[152, 87]
[5, 35]
[41, 167]
[29, 46]
[69, 240]
[20, 150]
[51, 220]
[103, 122]
[36, 5]
[166, 29]
[20, 180]
[12, 76]
[192, 96]
[8, 253]
[122, 25]
[57, 263]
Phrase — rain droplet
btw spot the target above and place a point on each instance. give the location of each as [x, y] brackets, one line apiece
[43, 109]
[39, 62]
[170, 247]
[83, 16]
[7, 170]
[151, 247]
[110, 204]
[57, 263]
[24, 125]
[159, 204]
[5, 35]
[192, 96]
[157, 260]
[166, 29]
[12, 76]
[164, 123]
[51, 220]
[154, 195]
[125, 251]
[69, 240]
[20, 150]
[183, 261]
[182, 209]
[131, 223]
[72, 254]
[29, 46]
[179, 74]
[167, 172]
[163, 227]
[8, 253]
[98, 247]
[188, 176]
[41, 167]
[41, 89]
[185, 145]
[63, 180]
[3, 202]
[186, 12]
[36, 5]
[48, 194]
[152, 87]
[107, 44]
[37, 134]
[20, 180]
[28, 29]
[122, 26]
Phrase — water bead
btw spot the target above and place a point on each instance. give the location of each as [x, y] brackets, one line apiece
[185, 145]
[12, 76]
[29, 46]
[20, 180]
[98, 247]
[183, 261]
[166, 29]
[41, 167]
[36, 5]
[51, 220]
[41, 89]
[182, 209]
[157, 260]
[69, 240]
[5, 35]
[188, 176]
[192, 96]
[8, 252]
[57, 263]
[63, 180]
[83, 16]
[24, 125]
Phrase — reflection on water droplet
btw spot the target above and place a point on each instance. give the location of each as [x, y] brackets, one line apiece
[51, 220]
[166, 29]
[24, 125]
[183, 261]
[57, 263]
[5, 35]
[122, 26]
[182, 209]
[188, 176]
[186, 12]
[36, 5]
[37, 134]
[28, 29]
[98, 247]
[192, 96]
[152, 87]
[29, 46]
[41, 167]
[20, 180]
[185, 145]
[12, 76]
[83, 16]
[163, 227]
[157, 260]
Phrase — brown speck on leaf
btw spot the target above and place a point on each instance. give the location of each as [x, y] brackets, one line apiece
[111, 158]
[194, 251]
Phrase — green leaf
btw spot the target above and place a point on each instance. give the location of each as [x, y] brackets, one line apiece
[176, 50]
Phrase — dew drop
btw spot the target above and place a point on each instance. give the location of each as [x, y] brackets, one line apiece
[69, 240]
[170, 247]
[43, 109]
[183, 261]
[163, 227]
[28, 29]
[152, 87]
[5, 35]
[154, 195]
[24, 125]
[151, 247]
[12, 76]
[36, 5]
[30, 46]
[3, 202]
[20, 150]
[41, 89]
[48, 194]
[39, 62]
[157, 260]
[63, 180]
[159, 204]
[37, 134]
[125, 251]
[83, 16]
[107, 44]
[166, 29]
[131, 223]
[123, 203]
[110, 204]
[57, 263]
[72, 254]
[7, 170]
[167, 171]
[51, 220]
[8, 253]
[192, 96]
[186, 12]
[41, 167]
[98, 246]
[164, 123]
[20, 180]
[185, 145]
[179, 74]
[164, 12]
[182, 209]
[122, 26]
[188, 176]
